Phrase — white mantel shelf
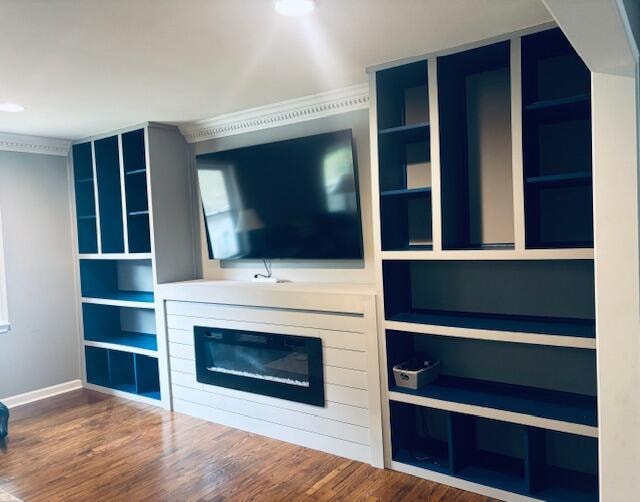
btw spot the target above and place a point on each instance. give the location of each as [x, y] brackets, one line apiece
[335, 297]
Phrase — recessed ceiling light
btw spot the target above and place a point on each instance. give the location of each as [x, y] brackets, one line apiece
[294, 8]
[11, 107]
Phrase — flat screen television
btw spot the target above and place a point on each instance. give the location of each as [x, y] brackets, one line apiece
[293, 199]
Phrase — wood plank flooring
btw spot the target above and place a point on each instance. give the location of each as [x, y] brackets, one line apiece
[85, 446]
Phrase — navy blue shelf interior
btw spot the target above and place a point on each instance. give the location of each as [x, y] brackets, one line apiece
[525, 296]
[85, 198]
[404, 157]
[556, 143]
[506, 456]
[554, 405]
[123, 371]
[109, 194]
[119, 325]
[101, 279]
[584, 328]
[476, 209]
[134, 159]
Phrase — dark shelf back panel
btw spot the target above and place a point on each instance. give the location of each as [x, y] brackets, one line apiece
[85, 198]
[530, 367]
[128, 326]
[474, 100]
[123, 371]
[558, 289]
[137, 199]
[109, 194]
[403, 98]
[406, 221]
[117, 279]
[421, 436]
[405, 165]
[551, 68]
[557, 137]
[133, 151]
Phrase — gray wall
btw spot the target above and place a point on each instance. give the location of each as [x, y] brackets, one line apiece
[42, 347]
[321, 271]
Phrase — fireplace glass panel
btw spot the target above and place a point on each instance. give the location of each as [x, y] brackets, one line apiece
[284, 366]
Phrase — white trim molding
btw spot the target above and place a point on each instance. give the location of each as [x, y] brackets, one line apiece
[325, 104]
[34, 144]
[37, 395]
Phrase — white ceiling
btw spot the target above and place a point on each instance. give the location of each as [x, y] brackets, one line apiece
[82, 67]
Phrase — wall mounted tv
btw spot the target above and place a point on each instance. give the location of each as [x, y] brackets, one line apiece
[293, 199]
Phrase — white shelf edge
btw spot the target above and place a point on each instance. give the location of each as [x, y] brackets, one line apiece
[119, 303]
[462, 484]
[492, 254]
[495, 414]
[122, 348]
[125, 395]
[115, 256]
[574, 342]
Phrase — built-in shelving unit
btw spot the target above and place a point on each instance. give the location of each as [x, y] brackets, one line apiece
[118, 178]
[556, 104]
[502, 293]
[405, 165]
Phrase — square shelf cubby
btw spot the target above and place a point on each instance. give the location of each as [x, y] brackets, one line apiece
[127, 326]
[474, 105]
[420, 436]
[122, 280]
[123, 371]
[530, 296]
[556, 101]
[403, 97]
[555, 383]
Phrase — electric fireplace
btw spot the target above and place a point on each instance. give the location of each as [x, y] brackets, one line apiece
[284, 366]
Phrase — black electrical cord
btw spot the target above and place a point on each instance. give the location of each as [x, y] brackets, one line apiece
[267, 266]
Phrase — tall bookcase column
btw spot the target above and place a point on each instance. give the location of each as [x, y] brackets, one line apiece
[504, 297]
[134, 220]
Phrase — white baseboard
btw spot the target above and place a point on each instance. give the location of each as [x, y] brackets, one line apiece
[37, 395]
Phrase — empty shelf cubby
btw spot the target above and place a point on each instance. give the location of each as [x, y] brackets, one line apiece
[556, 383]
[526, 460]
[121, 280]
[126, 326]
[404, 157]
[406, 219]
[137, 200]
[474, 104]
[85, 198]
[107, 157]
[403, 98]
[532, 296]
[420, 436]
[123, 371]
[556, 100]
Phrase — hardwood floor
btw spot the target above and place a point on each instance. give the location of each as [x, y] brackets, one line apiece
[88, 446]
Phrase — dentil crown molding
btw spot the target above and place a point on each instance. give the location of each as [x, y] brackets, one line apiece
[312, 107]
[34, 144]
